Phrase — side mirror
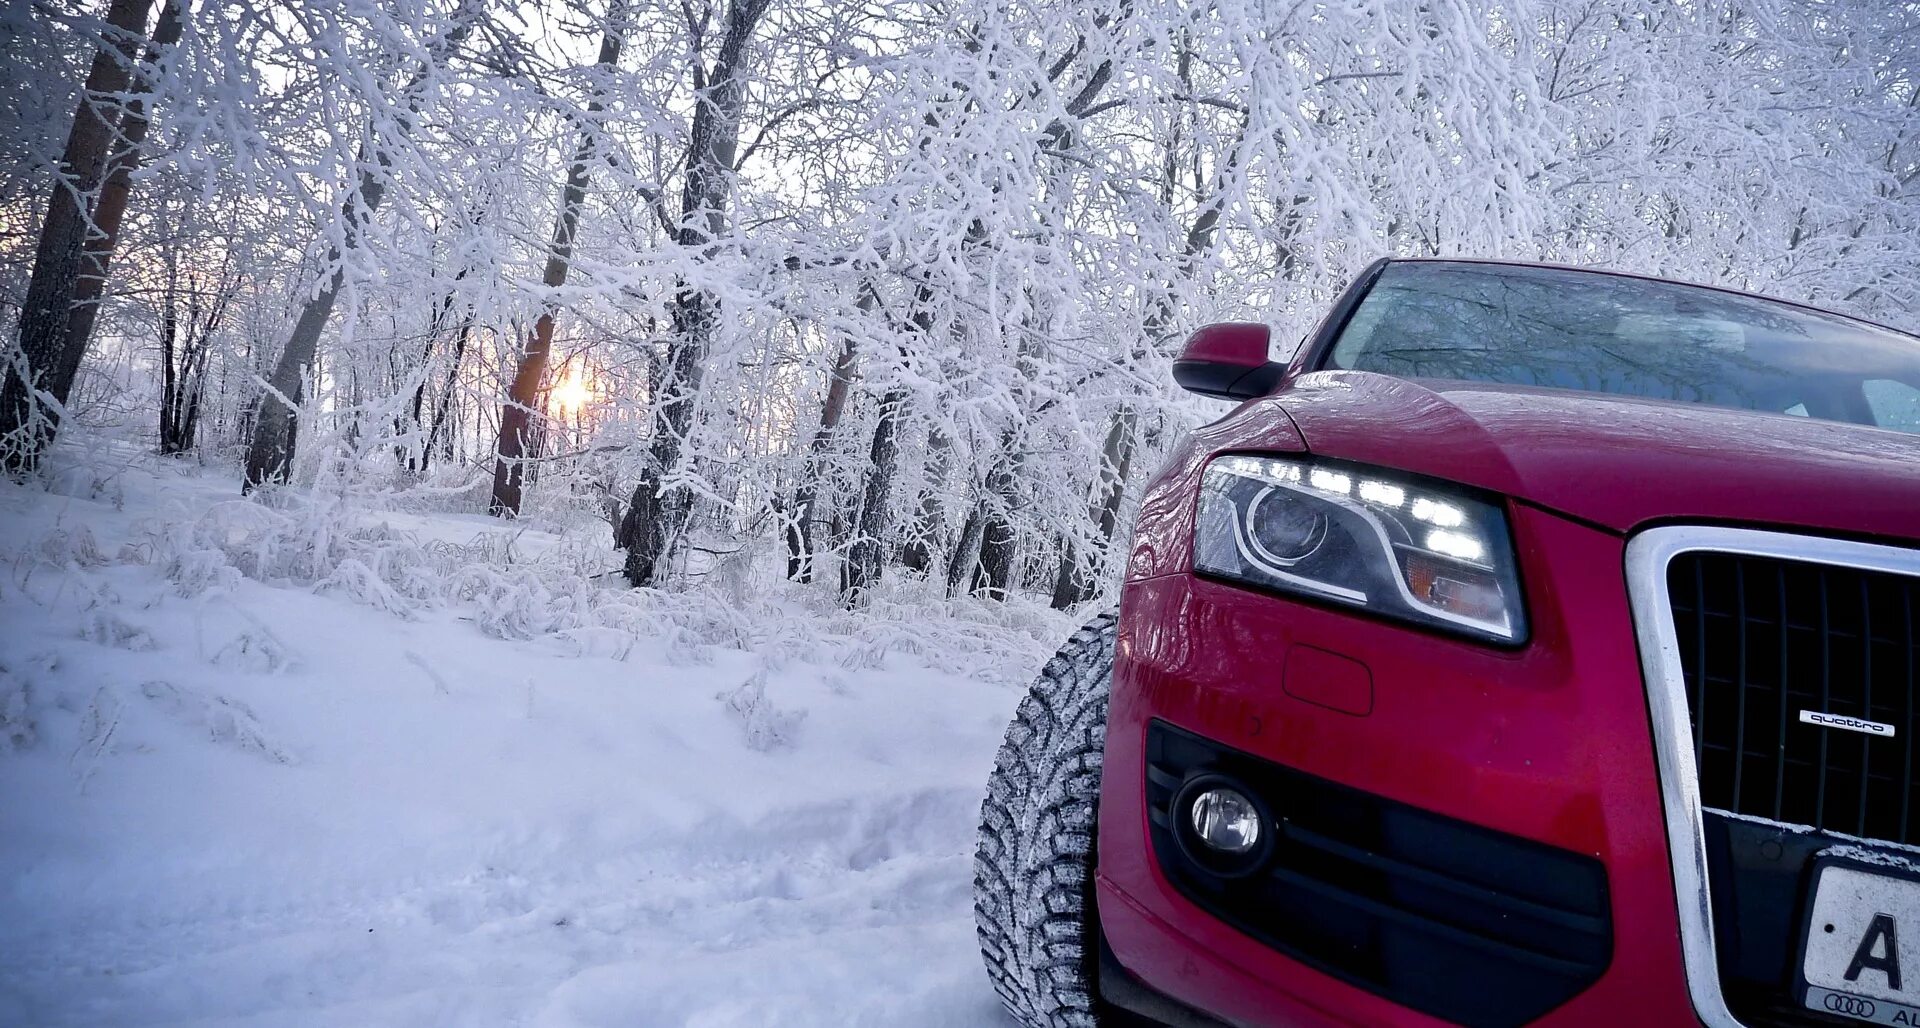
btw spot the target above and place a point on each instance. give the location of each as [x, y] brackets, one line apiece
[1228, 361]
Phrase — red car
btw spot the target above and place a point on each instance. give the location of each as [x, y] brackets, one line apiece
[1539, 645]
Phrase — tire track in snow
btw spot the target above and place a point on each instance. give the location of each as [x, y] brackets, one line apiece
[551, 918]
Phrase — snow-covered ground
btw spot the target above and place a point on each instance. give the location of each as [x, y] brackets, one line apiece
[260, 767]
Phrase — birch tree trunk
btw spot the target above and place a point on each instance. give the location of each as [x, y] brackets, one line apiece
[963, 568]
[276, 412]
[523, 395]
[655, 516]
[27, 426]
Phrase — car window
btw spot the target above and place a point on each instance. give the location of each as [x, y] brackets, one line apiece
[1894, 404]
[1569, 329]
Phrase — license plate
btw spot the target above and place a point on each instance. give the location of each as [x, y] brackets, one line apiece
[1862, 954]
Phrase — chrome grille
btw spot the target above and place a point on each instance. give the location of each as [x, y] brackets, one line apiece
[1763, 639]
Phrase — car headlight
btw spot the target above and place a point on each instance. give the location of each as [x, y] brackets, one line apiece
[1364, 538]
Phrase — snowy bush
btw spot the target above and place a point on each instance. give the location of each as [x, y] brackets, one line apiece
[514, 582]
[255, 650]
[198, 572]
[107, 628]
[763, 726]
[73, 546]
[99, 726]
[357, 581]
[17, 730]
[218, 719]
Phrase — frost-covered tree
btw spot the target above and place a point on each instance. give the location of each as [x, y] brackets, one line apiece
[720, 48]
[876, 299]
[39, 375]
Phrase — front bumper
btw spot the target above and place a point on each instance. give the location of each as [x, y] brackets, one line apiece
[1550, 744]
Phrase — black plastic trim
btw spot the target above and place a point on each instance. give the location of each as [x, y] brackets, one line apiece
[1477, 893]
[1313, 356]
[1196, 851]
[1224, 381]
[1443, 916]
[1762, 879]
[1121, 989]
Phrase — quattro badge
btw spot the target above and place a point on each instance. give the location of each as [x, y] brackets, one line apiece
[1851, 724]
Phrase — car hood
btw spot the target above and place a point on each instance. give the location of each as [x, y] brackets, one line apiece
[1620, 462]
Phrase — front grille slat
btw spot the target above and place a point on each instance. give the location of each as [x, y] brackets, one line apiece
[1767, 638]
[1826, 703]
[1700, 658]
[1740, 715]
[1780, 765]
[1866, 701]
[1910, 726]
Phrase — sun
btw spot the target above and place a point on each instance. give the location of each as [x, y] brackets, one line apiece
[572, 394]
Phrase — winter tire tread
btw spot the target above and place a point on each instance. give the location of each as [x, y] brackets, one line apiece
[1033, 867]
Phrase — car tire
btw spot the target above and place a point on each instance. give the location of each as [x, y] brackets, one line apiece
[1033, 903]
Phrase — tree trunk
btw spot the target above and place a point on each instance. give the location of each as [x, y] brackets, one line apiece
[414, 457]
[523, 396]
[111, 208]
[866, 557]
[187, 423]
[656, 516]
[922, 543]
[963, 568]
[181, 395]
[800, 529]
[923, 538]
[26, 427]
[860, 573]
[998, 545]
[446, 398]
[1079, 579]
[169, 367]
[1069, 579]
[276, 412]
[188, 427]
[186, 340]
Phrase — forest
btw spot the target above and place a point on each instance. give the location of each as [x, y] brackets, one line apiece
[868, 293]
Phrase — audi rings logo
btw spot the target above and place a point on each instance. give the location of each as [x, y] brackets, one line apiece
[1852, 1006]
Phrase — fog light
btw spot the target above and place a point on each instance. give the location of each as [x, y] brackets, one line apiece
[1225, 820]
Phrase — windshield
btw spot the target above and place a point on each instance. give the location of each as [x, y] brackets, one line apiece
[1567, 329]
